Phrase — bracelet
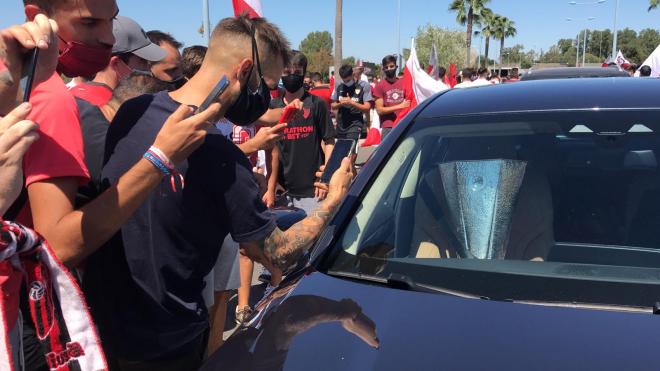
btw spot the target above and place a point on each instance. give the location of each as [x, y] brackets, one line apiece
[163, 163]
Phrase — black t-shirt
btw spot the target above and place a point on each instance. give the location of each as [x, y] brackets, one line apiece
[351, 119]
[300, 151]
[94, 127]
[145, 286]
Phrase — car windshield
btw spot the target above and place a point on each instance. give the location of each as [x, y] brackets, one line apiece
[525, 206]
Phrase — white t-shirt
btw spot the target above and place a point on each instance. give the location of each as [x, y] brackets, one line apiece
[464, 84]
[481, 82]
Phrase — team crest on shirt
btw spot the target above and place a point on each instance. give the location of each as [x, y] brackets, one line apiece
[395, 96]
[358, 91]
[37, 290]
[306, 112]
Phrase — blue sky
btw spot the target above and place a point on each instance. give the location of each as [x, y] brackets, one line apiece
[370, 30]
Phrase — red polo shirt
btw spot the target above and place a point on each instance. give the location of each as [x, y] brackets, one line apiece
[93, 92]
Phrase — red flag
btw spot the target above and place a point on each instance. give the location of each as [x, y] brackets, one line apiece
[251, 7]
[450, 78]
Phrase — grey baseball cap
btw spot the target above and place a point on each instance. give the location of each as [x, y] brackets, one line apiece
[131, 38]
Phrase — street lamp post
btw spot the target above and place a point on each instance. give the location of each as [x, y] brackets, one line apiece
[399, 55]
[577, 50]
[614, 41]
[584, 48]
[205, 20]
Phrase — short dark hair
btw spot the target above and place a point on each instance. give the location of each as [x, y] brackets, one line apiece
[298, 60]
[345, 71]
[389, 59]
[441, 72]
[271, 42]
[160, 37]
[135, 85]
[46, 5]
[645, 71]
[468, 72]
[316, 77]
[192, 56]
[514, 72]
[483, 71]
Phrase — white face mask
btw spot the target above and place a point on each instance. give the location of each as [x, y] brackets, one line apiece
[350, 83]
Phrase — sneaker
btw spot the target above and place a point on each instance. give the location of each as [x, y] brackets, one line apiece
[242, 314]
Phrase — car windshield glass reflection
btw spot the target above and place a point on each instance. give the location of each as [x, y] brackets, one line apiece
[520, 193]
[264, 345]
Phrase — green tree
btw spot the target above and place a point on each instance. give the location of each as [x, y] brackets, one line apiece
[349, 61]
[449, 45]
[487, 31]
[504, 28]
[320, 62]
[653, 4]
[316, 41]
[317, 46]
[468, 13]
[649, 39]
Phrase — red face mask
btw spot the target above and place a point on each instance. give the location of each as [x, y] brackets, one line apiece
[81, 60]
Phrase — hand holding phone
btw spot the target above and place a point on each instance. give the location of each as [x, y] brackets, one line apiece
[343, 148]
[288, 115]
[217, 91]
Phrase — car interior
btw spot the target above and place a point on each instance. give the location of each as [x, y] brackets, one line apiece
[587, 196]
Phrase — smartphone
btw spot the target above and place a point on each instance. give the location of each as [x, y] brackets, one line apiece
[215, 94]
[343, 148]
[288, 114]
[31, 69]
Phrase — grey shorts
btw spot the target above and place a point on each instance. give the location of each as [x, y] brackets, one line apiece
[225, 275]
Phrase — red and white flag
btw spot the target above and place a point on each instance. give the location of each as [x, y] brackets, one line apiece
[433, 63]
[251, 7]
[621, 61]
[418, 85]
[652, 61]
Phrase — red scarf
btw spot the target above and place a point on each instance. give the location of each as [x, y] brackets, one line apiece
[57, 306]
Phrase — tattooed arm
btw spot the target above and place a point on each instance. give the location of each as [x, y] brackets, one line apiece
[281, 250]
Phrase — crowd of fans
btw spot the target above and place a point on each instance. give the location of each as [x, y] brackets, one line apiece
[158, 211]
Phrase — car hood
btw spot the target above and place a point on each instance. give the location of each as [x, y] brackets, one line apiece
[318, 322]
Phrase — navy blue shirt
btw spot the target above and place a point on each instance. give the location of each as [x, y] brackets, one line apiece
[145, 286]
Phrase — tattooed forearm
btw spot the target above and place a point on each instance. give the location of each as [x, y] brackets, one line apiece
[284, 249]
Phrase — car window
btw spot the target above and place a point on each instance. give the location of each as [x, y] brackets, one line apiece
[553, 187]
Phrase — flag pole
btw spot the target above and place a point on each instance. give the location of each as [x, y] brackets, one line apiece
[206, 20]
[398, 41]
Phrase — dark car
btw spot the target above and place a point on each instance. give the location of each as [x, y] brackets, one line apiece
[572, 73]
[509, 228]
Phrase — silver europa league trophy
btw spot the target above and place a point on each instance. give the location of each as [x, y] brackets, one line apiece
[481, 196]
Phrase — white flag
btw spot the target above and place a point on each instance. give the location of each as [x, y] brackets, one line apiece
[652, 61]
[433, 64]
[621, 60]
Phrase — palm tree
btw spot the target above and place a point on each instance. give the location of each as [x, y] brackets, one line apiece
[504, 28]
[338, 39]
[653, 4]
[468, 12]
[487, 29]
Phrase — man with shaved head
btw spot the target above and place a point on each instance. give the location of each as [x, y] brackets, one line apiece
[145, 287]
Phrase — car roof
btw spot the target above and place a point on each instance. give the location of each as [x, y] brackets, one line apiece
[547, 95]
[573, 73]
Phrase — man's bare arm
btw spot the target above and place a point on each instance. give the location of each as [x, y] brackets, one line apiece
[76, 234]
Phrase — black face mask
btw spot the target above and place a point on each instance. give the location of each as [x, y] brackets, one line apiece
[175, 84]
[293, 83]
[390, 74]
[250, 105]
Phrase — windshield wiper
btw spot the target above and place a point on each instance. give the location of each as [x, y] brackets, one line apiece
[403, 282]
